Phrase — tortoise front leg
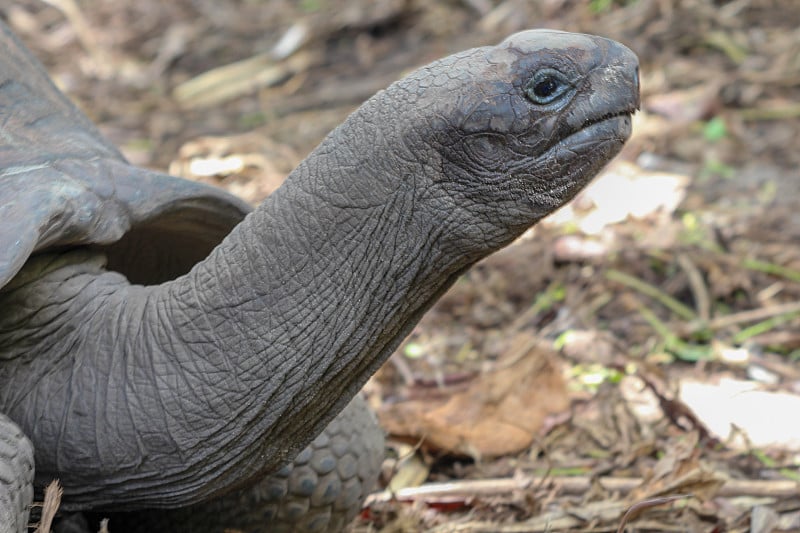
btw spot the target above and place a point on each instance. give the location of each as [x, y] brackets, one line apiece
[16, 477]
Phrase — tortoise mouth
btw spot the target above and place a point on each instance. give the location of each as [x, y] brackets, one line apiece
[578, 157]
[611, 127]
[626, 113]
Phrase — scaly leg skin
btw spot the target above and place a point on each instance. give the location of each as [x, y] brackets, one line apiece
[320, 491]
[16, 477]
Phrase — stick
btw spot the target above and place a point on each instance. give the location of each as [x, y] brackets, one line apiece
[778, 488]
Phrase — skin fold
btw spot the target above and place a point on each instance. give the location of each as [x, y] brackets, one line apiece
[176, 389]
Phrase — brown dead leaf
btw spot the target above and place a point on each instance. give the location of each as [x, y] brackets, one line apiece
[680, 472]
[679, 458]
[498, 413]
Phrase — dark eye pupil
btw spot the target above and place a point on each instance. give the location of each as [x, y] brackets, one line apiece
[545, 88]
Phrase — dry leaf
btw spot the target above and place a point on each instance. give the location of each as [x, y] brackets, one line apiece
[498, 413]
[52, 501]
[680, 472]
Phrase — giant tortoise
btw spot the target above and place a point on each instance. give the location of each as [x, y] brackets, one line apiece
[164, 348]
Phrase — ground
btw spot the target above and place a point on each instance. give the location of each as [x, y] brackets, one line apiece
[632, 362]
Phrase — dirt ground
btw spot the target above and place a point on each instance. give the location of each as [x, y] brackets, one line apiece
[630, 363]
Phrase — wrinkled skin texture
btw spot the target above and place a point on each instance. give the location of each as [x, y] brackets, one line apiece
[165, 395]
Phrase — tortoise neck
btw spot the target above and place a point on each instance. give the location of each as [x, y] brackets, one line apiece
[305, 299]
[309, 295]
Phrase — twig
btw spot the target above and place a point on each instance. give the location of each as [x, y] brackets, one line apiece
[224, 83]
[673, 343]
[291, 41]
[675, 410]
[101, 60]
[698, 286]
[570, 485]
[723, 41]
[649, 290]
[734, 319]
[52, 500]
[637, 508]
[788, 340]
[544, 301]
[778, 112]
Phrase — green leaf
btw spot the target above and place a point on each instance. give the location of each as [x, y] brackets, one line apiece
[715, 129]
[413, 350]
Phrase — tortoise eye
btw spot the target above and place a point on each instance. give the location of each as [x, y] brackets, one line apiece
[546, 86]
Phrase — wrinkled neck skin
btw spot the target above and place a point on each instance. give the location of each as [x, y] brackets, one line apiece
[195, 386]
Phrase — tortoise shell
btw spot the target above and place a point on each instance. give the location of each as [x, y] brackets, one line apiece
[62, 185]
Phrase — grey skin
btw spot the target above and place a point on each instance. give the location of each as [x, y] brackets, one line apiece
[149, 377]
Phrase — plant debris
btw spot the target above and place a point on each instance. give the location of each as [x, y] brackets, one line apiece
[660, 308]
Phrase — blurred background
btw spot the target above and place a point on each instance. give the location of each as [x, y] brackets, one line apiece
[635, 353]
